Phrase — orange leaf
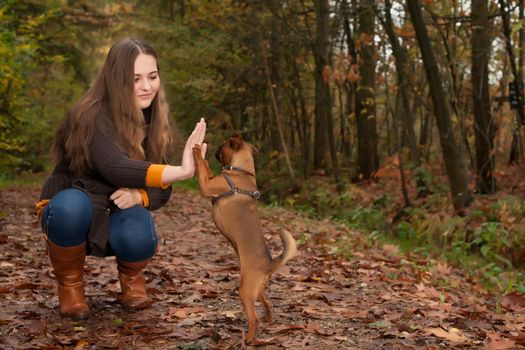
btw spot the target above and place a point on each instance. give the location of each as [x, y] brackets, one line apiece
[453, 334]
[327, 73]
[513, 301]
[353, 74]
[497, 342]
[444, 269]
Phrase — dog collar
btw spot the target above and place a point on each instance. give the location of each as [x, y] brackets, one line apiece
[231, 167]
[234, 189]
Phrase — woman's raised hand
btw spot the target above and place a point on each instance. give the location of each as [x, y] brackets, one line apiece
[187, 167]
[197, 137]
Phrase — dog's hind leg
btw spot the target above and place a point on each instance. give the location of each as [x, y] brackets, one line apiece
[248, 298]
[250, 290]
[267, 307]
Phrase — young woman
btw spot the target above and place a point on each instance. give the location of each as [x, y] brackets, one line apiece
[110, 156]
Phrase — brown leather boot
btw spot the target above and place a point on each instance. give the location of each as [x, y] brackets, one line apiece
[68, 266]
[133, 284]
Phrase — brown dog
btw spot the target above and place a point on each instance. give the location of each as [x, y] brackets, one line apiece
[234, 195]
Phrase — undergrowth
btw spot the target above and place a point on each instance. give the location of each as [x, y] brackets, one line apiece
[488, 241]
[21, 179]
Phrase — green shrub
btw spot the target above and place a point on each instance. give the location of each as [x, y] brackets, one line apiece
[492, 239]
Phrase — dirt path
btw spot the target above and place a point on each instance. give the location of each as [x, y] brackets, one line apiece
[375, 300]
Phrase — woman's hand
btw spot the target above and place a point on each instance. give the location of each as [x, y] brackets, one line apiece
[125, 198]
[196, 138]
[187, 168]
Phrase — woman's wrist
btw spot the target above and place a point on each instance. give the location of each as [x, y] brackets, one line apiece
[173, 173]
[137, 197]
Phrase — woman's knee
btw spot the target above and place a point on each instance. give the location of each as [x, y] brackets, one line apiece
[67, 218]
[132, 234]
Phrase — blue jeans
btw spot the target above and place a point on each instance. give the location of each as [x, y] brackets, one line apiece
[67, 218]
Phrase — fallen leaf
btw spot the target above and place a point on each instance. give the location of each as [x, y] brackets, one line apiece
[513, 302]
[495, 341]
[230, 313]
[25, 285]
[81, 345]
[192, 298]
[284, 328]
[353, 314]
[519, 338]
[444, 269]
[453, 334]
[311, 311]
[37, 326]
[380, 324]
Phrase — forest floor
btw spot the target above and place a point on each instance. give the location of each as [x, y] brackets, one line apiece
[377, 299]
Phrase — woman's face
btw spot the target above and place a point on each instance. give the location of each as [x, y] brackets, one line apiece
[147, 80]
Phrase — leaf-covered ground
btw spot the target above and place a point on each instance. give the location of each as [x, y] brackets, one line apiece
[376, 300]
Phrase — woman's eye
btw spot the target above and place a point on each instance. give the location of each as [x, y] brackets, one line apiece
[153, 77]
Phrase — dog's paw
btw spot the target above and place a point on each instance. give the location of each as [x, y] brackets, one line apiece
[197, 152]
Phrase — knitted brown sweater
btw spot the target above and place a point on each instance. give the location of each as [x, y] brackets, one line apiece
[111, 168]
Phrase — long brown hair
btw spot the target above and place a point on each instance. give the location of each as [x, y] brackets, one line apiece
[110, 104]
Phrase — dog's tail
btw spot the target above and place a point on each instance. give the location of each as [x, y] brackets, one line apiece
[289, 250]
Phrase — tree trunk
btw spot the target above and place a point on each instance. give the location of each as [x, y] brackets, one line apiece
[392, 144]
[402, 82]
[365, 94]
[296, 79]
[397, 138]
[296, 124]
[331, 141]
[276, 75]
[455, 93]
[515, 152]
[321, 96]
[521, 53]
[350, 87]
[278, 123]
[484, 129]
[452, 155]
[345, 135]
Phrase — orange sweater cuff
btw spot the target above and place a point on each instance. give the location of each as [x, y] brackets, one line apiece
[154, 176]
[145, 198]
[39, 206]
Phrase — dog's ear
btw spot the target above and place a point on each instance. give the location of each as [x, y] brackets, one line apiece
[236, 141]
[218, 154]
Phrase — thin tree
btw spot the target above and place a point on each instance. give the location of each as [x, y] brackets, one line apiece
[350, 86]
[401, 63]
[276, 74]
[322, 96]
[484, 128]
[452, 153]
[518, 83]
[326, 98]
[365, 95]
[304, 122]
[278, 118]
